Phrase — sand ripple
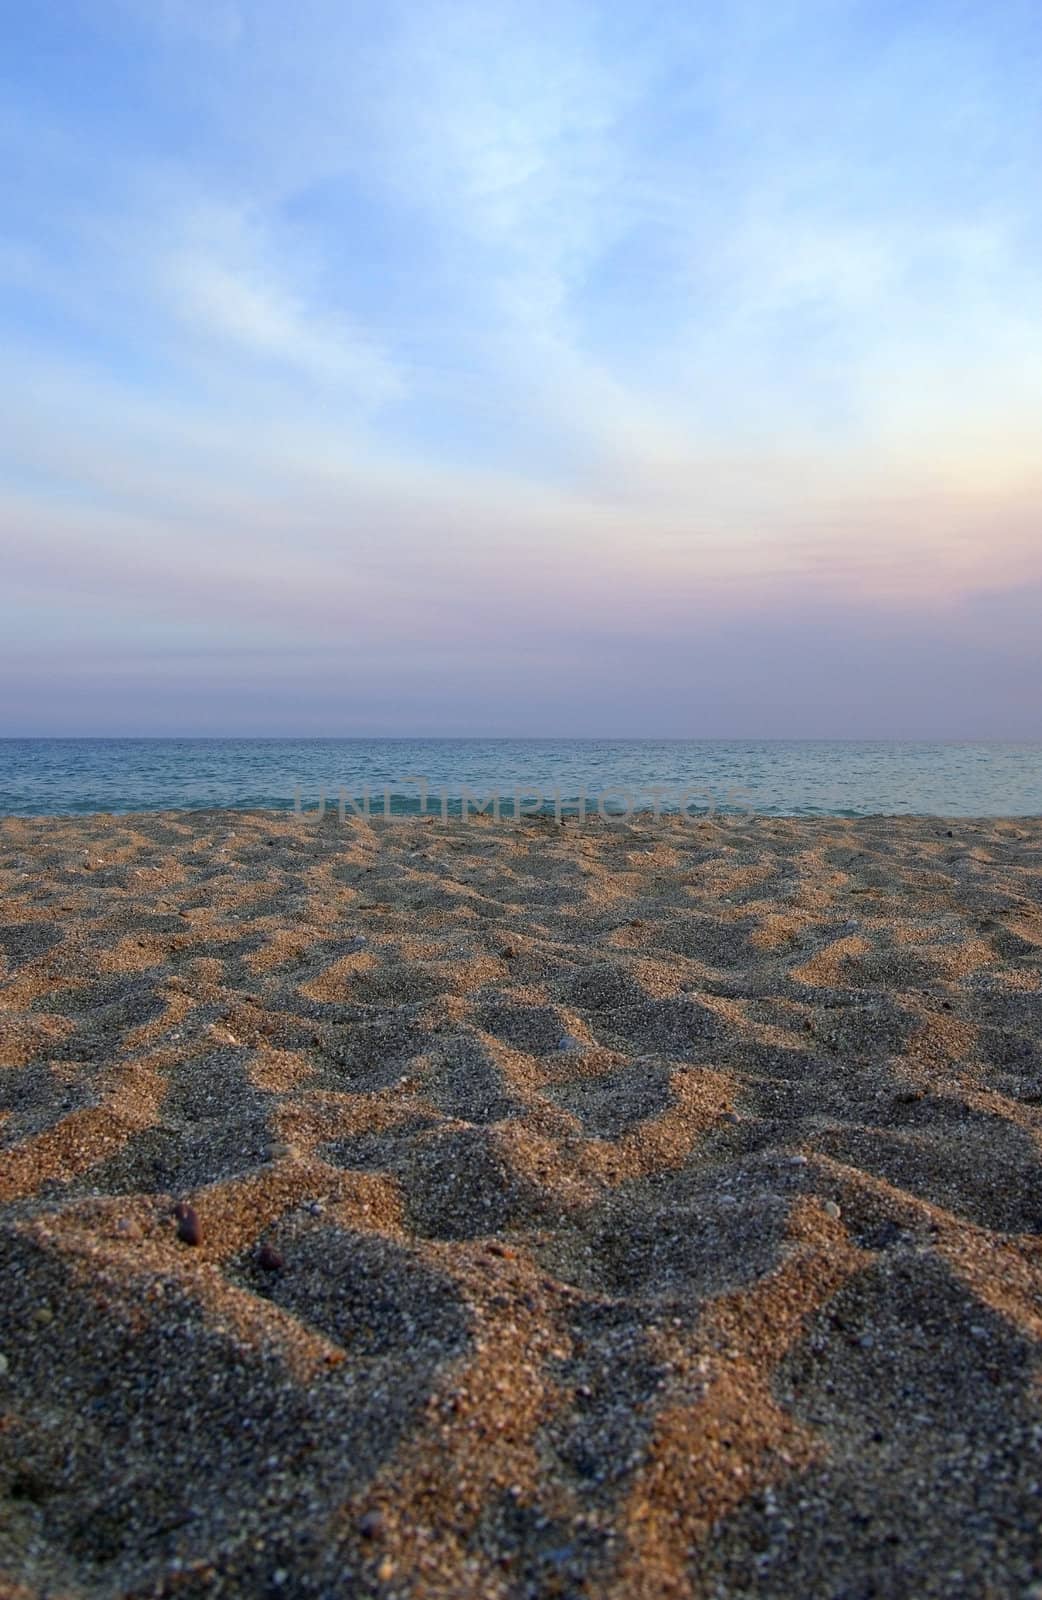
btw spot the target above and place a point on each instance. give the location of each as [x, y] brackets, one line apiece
[634, 1210]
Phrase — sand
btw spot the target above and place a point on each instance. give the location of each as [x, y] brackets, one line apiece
[444, 1209]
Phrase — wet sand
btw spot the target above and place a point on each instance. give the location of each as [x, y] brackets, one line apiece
[459, 1210]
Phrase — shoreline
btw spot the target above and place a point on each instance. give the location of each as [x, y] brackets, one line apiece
[639, 814]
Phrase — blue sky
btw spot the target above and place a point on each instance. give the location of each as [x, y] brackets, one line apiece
[572, 368]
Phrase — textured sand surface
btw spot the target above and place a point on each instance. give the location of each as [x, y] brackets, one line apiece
[627, 1210]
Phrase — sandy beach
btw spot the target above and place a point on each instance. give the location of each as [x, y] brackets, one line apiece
[454, 1209]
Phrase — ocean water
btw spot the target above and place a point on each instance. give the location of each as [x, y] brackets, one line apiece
[775, 777]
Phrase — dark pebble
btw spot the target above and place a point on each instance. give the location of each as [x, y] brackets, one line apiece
[188, 1230]
[371, 1526]
[269, 1260]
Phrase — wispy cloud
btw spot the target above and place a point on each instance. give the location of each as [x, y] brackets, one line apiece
[526, 326]
[225, 285]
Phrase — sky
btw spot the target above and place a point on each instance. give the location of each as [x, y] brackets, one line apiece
[521, 368]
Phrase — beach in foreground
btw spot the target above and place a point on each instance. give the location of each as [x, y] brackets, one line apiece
[459, 1210]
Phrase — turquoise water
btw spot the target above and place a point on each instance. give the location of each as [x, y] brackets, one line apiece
[777, 777]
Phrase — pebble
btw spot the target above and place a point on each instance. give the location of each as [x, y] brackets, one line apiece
[43, 1316]
[371, 1525]
[188, 1229]
[269, 1259]
[4, 1363]
[831, 1209]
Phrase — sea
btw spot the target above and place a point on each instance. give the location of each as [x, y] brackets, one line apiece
[566, 777]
